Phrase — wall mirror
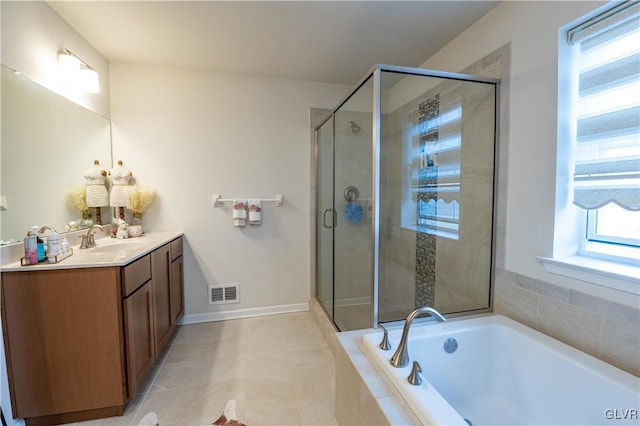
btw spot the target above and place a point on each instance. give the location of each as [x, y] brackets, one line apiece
[48, 142]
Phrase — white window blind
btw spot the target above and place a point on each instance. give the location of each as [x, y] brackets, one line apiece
[607, 135]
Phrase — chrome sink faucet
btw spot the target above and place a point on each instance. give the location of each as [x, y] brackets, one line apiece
[44, 228]
[88, 240]
[401, 357]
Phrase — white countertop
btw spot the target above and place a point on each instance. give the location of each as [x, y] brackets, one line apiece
[107, 252]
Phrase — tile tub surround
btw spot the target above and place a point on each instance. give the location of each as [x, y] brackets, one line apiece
[362, 397]
[278, 369]
[328, 330]
[604, 329]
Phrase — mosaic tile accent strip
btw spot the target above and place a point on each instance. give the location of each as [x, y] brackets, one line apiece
[428, 125]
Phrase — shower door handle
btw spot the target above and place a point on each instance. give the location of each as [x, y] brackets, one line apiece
[324, 218]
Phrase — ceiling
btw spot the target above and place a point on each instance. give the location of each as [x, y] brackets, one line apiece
[327, 41]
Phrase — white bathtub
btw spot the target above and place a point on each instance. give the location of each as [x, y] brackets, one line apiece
[504, 373]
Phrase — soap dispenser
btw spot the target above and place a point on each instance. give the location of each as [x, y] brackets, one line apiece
[64, 246]
[53, 246]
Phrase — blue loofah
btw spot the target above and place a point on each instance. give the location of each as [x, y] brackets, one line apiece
[353, 212]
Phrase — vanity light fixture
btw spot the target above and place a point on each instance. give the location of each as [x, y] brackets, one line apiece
[75, 71]
[68, 62]
[89, 80]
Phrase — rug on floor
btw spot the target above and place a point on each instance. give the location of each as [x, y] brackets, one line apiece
[227, 418]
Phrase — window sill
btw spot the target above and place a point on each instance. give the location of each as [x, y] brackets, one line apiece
[604, 273]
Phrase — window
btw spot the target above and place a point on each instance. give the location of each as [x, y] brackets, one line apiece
[606, 114]
[437, 175]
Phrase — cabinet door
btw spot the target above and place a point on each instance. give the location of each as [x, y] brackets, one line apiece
[177, 290]
[63, 340]
[138, 317]
[161, 289]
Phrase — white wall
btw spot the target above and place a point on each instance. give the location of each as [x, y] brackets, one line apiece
[191, 134]
[532, 29]
[32, 35]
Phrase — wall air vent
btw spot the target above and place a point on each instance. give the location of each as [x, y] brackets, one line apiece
[221, 294]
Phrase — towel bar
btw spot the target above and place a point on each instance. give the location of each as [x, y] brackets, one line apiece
[218, 200]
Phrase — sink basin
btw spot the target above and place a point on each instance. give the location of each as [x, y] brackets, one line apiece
[116, 246]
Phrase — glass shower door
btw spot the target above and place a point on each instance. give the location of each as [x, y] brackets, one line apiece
[353, 165]
[344, 196]
[324, 227]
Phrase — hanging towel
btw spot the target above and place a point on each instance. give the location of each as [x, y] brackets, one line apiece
[255, 212]
[239, 213]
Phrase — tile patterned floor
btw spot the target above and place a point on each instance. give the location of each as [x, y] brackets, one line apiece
[278, 368]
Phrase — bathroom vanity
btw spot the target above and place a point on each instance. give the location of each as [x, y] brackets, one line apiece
[81, 336]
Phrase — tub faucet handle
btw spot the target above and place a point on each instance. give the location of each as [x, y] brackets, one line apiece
[414, 378]
[384, 345]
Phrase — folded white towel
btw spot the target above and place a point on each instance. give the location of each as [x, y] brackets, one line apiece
[239, 213]
[255, 212]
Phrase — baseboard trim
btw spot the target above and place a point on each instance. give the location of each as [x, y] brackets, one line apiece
[243, 313]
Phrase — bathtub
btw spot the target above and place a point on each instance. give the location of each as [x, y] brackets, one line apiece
[504, 373]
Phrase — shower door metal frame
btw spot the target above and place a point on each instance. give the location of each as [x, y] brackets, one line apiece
[375, 192]
[376, 73]
[317, 219]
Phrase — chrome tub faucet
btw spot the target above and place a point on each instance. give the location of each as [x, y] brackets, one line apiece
[401, 357]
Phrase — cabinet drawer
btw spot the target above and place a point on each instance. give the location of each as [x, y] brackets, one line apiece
[176, 248]
[136, 274]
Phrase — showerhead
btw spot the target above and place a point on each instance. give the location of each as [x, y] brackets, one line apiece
[354, 127]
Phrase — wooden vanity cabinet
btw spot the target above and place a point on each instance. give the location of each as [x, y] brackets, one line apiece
[80, 342]
[177, 285]
[64, 343]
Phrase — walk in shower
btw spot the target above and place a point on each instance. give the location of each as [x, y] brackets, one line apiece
[405, 196]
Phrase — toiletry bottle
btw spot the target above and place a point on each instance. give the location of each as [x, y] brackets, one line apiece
[31, 248]
[64, 246]
[53, 246]
[40, 244]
